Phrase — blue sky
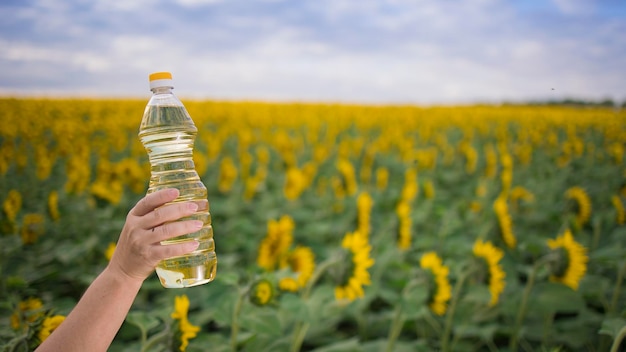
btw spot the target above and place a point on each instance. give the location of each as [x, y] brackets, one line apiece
[359, 51]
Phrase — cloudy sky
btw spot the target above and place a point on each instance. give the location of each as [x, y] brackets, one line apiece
[363, 51]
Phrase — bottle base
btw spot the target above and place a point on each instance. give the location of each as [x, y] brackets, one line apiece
[187, 277]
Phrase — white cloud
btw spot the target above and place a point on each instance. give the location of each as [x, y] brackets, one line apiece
[368, 51]
[193, 3]
[575, 7]
[24, 52]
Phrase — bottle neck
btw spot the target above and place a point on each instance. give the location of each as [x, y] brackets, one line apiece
[162, 90]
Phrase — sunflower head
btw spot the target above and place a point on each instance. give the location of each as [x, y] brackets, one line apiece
[382, 178]
[53, 205]
[570, 263]
[500, 207]
[12, 204]
[32, 228]
[108, 253]
[357, 273]
[262, 293]
[186, 330]
[580, 204]
[494, 275]
[26, 312]
[441, 291]
[49, 325]
[274, 247]
[301, 264]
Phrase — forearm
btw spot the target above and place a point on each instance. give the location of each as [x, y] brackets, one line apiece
[96, 319]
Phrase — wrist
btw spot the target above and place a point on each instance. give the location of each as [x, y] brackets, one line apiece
[117, 274]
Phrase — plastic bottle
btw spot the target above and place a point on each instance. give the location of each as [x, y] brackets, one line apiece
[168, 134]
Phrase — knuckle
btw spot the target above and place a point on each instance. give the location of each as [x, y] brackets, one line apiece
[166, 230]
[157, 214]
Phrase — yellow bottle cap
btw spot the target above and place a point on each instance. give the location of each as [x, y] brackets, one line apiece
[160, 79]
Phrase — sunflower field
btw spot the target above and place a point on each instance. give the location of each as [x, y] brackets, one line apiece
[337, 227]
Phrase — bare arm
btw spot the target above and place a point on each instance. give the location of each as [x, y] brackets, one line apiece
[94, 322]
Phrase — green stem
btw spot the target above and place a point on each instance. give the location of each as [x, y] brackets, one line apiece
[618, 340]
[234, 328]
[396, 328]
[547, 328]
[299, 335]
[301, 327]
[618, 288]
[398, 319]
[522, 308]
[450, 315]
[17, 344]
[155, 339]
[318, 273]
[433, 323]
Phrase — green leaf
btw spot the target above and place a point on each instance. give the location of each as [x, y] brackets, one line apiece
[296, 307]
[262, 322]
[351, 345]
[228, 278]
[208, 341]
[414, 300]
[485, 333]
[612, 326]
[143, 321]
[399, 346]
[607, 254]
[551, 297]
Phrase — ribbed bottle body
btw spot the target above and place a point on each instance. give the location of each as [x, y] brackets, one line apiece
[168, 134]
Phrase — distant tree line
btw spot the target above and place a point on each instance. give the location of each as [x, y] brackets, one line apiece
[608, 103]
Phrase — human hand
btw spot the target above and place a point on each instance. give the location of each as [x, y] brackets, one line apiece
[148, 223]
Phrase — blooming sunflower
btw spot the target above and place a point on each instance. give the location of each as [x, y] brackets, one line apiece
[443, 291]
[27, 311]
[53, 205]
[429, 189]
[403, 210]
[572, 267]
[471, 157]
[302, 262]
[410, 188]
[492, 256]
[364, 204]
[185, 328]
[491, 161]
[382, 178]
[579, 195]
[262, 292]
[110, 250]
[49, 325]
[520, 193]
[504, 219]
[228, 175]
[12, 204]
[32, 228]
[348, 176]
[506, 177]
[295, 183]
[274, 247]
[358, 246]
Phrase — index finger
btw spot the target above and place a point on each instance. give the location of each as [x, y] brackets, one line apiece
[153, 201]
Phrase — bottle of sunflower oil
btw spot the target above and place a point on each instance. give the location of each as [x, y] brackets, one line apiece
[168, 134]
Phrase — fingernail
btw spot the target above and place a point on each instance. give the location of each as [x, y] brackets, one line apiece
[172, 192]
[192, 206]
[198, 224]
